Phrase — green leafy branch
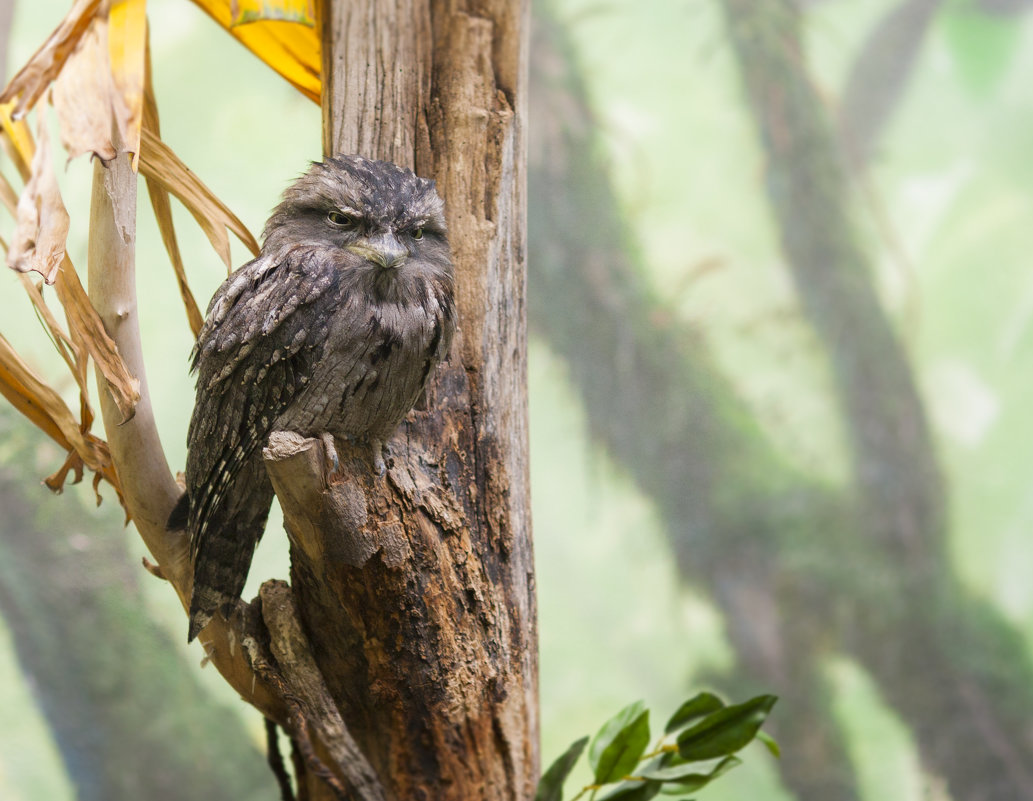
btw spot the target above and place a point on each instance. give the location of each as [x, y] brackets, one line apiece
[703, 729]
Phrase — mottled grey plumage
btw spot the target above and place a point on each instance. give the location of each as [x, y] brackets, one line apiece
[334, 328]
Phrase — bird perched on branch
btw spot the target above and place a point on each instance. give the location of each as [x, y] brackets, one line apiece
[334, 329]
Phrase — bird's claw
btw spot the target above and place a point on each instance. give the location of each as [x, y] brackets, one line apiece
[378, 457]
[333, 463]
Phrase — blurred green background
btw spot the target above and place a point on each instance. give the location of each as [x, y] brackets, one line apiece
[703, 518]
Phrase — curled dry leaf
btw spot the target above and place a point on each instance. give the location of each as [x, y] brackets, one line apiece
[33, 79]
[87, 330]
[95, 61]
[290, 48]
[84, 97]
[42, 221]
[160, 164]
[31, 396]
[163, 210]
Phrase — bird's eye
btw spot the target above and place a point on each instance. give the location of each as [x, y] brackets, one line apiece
[417, 233]
[340, 219]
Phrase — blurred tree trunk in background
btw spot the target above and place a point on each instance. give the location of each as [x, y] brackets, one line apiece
[130, 718]
[800, 572]
[946, 661]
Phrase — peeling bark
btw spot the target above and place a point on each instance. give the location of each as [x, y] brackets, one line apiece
[415, 590]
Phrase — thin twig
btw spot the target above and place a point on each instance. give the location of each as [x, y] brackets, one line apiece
[275, 760]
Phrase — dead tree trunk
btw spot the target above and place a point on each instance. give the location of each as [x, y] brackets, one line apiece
[416, 590]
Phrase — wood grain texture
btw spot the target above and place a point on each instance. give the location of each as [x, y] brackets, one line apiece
[416, 589]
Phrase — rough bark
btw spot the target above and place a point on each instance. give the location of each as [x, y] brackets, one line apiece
[130, 719]
[416, 589]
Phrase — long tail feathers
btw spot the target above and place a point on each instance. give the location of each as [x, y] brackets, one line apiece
[179, 515]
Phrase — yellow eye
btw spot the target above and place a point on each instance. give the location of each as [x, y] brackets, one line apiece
[417, 233]
[341, 219]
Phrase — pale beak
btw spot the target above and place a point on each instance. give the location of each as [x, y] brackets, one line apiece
[383, 249]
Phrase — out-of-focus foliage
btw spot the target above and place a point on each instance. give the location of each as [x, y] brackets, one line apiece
[938, 214]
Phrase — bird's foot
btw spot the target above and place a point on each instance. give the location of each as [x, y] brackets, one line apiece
[333, 464]
[378, 456]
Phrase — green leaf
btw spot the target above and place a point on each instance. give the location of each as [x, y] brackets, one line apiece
[633, 791]
[695, 707]
[620, 757]
[726, 731]
[770, 743]
[687, 780]
[605, 736]
[550, 788]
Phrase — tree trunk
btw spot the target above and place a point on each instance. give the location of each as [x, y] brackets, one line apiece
[416, 589]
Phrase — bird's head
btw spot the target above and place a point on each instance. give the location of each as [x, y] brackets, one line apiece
[388, 217]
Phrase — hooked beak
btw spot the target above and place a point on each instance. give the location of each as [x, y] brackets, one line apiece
[383, 250]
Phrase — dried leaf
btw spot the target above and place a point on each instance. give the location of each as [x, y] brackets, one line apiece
[64, 345]
[34, 399]
[71, 352]
[33, 79]
[163, 211]
[56, 481]
[97, 76]
[292, 49]
[86, 329]
[30, 395]
[42, 221]
[159, 163]
[127, 37]
[84, 97]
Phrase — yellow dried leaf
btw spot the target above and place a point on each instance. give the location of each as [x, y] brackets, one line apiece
[33, 79]
[17, 140]
[163, 209]
[87, 330]
[34, 399]
[30, 395]
[290, 48]
[127, 37]
[42, 221]
[159, 163]
[246, 12]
